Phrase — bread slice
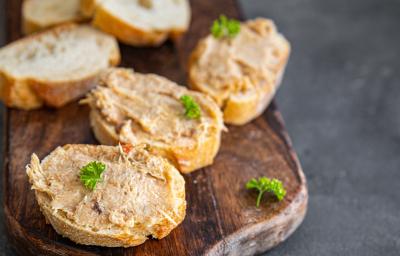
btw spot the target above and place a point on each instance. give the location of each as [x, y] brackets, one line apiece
[54, 67]
[242, 73]
[139, 195]
[135, 108]
[142, 22]
[40, 14]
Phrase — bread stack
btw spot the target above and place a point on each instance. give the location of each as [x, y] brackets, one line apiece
[134, 22]
[120, 194]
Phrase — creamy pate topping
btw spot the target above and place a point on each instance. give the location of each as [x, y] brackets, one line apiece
[250, 61]
[148, 109]
[135, 191]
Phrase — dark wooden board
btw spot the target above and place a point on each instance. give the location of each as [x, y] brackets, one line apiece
[221, 216]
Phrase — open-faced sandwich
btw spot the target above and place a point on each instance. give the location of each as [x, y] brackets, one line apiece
[182, 125]
[108, 195]
[54, 67]
[240, 65]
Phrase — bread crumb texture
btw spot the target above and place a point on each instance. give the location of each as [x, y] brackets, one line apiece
[140, 22]
[54, 67]
[41, 14]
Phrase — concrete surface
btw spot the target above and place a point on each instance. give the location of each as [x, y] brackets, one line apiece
[340, 99]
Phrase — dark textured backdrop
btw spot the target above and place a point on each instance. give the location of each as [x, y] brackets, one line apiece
[340, 99]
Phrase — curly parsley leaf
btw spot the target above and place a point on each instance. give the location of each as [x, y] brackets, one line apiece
[224, 27]
[263, 185]
[192, 109]
[90, 174]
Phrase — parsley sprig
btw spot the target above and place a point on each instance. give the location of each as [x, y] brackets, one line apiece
[192, 109]
[263, 185]
[90, 174]
[224, 27]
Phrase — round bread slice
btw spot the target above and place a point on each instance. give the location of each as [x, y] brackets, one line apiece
[40, 14]
[135, 108]
[242, 73]
[54, 67]
[139, 194]
[141, 22]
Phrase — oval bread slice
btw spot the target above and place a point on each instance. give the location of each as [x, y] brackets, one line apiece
[142, 22]
[242, 73]
[139, 194]
[54, 67]
[135, 108]
[40, 14]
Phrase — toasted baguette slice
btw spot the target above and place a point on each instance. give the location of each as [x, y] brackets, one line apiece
[241, 73]
[139, 194]
[135, 108]
[40, 14]
[142, 22]
[54, 67]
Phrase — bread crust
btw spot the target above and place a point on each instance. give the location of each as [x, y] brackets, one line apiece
[185, 158]
[31, 93]
[18, 93]
[242, 108]
[128, 33]
[29, 27]
[79, 234]
[87, 7]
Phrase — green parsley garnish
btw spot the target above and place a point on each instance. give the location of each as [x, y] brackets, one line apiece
[90, 174]
[263, 185]
[192, 109]
[224, 27]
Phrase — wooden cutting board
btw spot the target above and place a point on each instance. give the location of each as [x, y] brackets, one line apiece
[221, 216]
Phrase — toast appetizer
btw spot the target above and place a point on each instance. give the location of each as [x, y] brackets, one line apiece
[181, 125]
[54, 67]
[240, 65]
[140, 22]
[114, 196]
[41, 14]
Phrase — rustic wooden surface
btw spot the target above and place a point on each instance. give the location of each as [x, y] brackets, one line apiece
[221, 216]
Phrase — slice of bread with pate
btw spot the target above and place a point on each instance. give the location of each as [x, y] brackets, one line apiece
[241, 73]
[40, 14]
[137, 196]
[140, 22]
[54, 67]
[136, 108]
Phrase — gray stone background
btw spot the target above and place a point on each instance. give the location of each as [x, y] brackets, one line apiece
[341, 102]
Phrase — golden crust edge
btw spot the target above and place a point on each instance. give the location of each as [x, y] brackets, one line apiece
[129, 34]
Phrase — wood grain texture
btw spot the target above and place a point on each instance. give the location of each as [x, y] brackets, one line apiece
[221, 217]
